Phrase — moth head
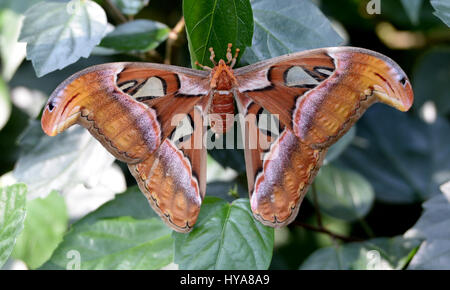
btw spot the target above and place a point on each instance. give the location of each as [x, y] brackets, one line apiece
[74, 95]
[58, 115]
[394, 89]
[379, 75]
[390, 85]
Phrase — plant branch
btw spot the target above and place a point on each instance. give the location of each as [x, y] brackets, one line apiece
[115, 12]
[173, 40]
[320, 228]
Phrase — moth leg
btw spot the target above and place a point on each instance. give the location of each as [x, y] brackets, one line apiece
[203, 66]
[230, 59]
[229, 55]
[213, 55]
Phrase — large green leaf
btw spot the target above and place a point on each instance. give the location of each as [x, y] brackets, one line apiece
[85, 198]
[442, 8]
[5, 103]
[226, 236]
[116, 243]
[18, 6]
[44, 228]
[138, 35]
[404, 158]
[343, 194]
[215, 24]
[430, 80]
[58, 34]
[130, 7]
[60, 162]
[133, 204]
[288, 26]
[432, 226]
[12, 216]
[130, 203]
[379, 253]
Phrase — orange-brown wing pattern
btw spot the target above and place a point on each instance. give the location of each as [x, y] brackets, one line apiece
[279, 166]
[278, 85]
[320, 94]
[135, 110]
[174, 178]
[170, 91]
[317, 95]
[126, 106]
[152, 117]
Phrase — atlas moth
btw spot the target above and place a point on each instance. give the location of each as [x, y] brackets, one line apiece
[315, 95]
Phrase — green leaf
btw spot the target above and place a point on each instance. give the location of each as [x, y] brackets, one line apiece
[288, 26]
[61, 162]
[12, 52]
[215, 24]
[45, 225]
[18, 6]
[339, 147]
[117, 243]
[130, 203]
[432, 227]
[130, 7]
[433, 224]
[58, 34]
[138, 35]
[226, 236]
[134, 205]
[430, 80]
[12, 216]
[432, 255]
[379, 253]
[442, 8]
[412, 8]
[343, 194]
[404, 158]
[5, 104]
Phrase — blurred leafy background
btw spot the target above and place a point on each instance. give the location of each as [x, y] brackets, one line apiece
[380, 201]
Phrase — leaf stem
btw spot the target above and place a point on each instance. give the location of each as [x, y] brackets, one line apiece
[328, 232]
[173, 40]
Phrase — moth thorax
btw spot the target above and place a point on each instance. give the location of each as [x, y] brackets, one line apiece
[223, 78]
[224, 82]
